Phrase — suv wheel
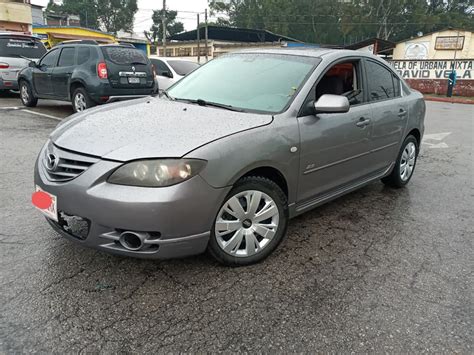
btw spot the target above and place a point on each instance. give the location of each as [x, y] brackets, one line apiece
[26, 94]
[81, 100]
[251, 222]
[405, 164]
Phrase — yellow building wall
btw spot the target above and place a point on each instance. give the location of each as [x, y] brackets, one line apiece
[466, 53]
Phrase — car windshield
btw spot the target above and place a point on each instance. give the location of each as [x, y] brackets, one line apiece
[248, 81]
[182, 67]
[26, 47]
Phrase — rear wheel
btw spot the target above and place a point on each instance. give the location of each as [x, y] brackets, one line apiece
[251, 222]
[405, 164]
[26, 94]
[81, 100]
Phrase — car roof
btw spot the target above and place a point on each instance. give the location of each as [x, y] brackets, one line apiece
[303, 51]
[165, 59]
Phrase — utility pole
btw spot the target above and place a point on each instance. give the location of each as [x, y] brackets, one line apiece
[198, 40]
[163, 25]
[206, 35]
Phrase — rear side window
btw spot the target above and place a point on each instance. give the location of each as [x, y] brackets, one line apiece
[182, 67]
[381, 82]
[26, 47]
[50, 59]
[124, 55]
[83, 55]
[67, 57]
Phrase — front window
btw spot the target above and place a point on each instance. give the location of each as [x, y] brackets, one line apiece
[248, 81]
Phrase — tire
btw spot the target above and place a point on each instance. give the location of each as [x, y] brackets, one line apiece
[27, 97]
[235, 233]
[81, 100]
[403, 170]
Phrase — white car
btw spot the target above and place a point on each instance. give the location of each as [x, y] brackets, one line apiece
[171, 70]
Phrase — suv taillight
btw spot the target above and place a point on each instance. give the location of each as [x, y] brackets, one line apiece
[4, 65]
[153, 69]
[102, 70]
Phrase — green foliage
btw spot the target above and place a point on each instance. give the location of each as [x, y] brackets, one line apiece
[172, 26]
[108, 15]
[343, 21]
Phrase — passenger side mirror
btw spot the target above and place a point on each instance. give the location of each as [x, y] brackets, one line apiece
[32, 64]
[332, 104]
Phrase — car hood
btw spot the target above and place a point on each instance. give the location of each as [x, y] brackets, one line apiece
[150, 128]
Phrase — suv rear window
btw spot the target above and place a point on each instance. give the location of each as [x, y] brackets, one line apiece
[15, 47]
[124, 55]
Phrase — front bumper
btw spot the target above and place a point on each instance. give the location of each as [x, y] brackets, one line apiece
[178, 217]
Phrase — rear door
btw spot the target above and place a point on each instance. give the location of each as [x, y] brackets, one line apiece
[128, 68]
[389, 112]
[43, 73]
[61, 76]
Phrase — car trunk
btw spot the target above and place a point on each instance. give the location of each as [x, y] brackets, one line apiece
[127, 67]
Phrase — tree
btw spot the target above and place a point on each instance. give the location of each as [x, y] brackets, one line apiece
[108, 15]
[344, 22]
[172, 26]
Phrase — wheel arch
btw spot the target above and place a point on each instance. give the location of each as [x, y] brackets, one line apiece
[269, 172]
[74, 85]
[415, 132]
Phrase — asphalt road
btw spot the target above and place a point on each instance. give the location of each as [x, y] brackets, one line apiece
[379, 270]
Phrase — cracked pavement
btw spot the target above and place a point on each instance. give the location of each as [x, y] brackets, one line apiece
[378, 270]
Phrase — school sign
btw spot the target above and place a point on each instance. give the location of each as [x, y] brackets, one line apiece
[431, 76]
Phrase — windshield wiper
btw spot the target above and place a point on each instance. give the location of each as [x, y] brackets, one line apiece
[202, 102]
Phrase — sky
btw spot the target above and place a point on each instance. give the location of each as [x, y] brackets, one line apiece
[145, 10]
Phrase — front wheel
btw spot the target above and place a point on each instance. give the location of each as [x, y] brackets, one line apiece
[250, 224]
[26, 95]
[405, 164]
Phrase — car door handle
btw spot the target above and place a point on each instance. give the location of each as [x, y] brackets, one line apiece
[363, 122]
[402, 113]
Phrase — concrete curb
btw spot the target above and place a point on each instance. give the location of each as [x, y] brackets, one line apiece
[452, 100]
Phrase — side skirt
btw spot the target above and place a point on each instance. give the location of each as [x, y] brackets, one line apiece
[299, 208]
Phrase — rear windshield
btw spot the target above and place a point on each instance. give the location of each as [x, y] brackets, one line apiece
[15, 47]
[122, 55]
[182, 67]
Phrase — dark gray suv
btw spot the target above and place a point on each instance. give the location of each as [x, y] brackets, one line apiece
[87, 74]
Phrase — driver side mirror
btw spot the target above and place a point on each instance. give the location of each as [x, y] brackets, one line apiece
[32, 64]
[332, 104]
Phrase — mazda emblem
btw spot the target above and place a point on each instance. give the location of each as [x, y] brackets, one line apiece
[133, 68]
[52, 162]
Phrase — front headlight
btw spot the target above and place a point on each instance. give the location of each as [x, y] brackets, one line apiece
[156, 173]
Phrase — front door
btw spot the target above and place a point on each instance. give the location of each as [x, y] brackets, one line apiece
[61, 76]
[42, 73]
[335, 147]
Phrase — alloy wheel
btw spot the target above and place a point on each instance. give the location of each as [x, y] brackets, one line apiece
[407, 161]
[25, 96]
[246, 223]
[80, 102]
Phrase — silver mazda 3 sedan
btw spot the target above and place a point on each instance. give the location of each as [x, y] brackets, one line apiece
[229, 154]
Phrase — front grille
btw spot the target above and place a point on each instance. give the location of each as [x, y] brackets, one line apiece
[60, 165]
